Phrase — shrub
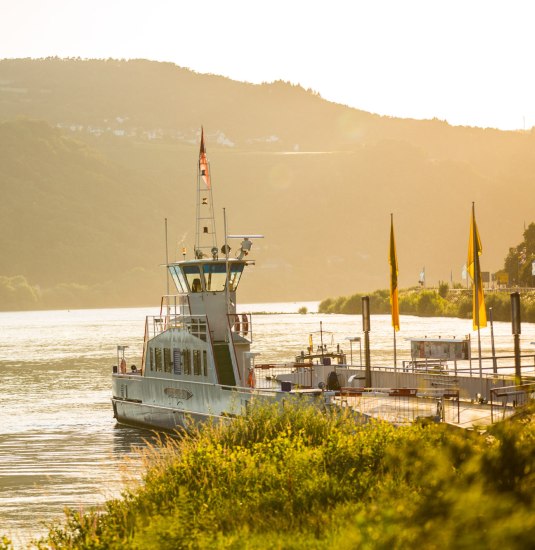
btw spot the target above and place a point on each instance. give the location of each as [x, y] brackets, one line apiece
[430, 302]
[443, 289]
[290, 477]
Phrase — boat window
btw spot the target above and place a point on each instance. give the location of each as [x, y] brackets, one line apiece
[197, 362]
[166, 359]
[193, 276]
[151, 358]
[178, 278]
[215, 276]
[205, 363]
[198, 328]
[235, 271]
[177, 361]
[186, 361]
[158, 357]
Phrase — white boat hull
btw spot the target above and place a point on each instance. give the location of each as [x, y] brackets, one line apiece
[156, 417]
[167, 404]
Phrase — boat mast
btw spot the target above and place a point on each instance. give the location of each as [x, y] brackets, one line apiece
[205, 232]
[167, 269]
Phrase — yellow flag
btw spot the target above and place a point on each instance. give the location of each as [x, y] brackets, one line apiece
[479, 315]
[393, 261]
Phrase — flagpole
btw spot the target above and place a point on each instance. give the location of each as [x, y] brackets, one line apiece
[477, 276]
[394, 328]
[167, 271]
[395, 353]
[227, 295]
[394, 287]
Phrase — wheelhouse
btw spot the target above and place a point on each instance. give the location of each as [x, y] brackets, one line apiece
[206, 275]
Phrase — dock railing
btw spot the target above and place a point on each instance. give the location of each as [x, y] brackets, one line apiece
[504, 401]
[489, 365]
[404, 405]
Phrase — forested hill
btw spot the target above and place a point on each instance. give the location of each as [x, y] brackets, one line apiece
[145, 97]
[67, 218]
[105, 150]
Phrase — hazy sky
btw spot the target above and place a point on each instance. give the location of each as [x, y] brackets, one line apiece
[469, 62]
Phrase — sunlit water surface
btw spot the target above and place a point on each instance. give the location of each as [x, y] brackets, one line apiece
[59, 444]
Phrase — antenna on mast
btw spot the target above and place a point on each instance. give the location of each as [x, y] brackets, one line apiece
[205, 232]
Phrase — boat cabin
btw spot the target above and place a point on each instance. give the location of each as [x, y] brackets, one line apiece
[209, 287]
[440, 348]
[200, 337]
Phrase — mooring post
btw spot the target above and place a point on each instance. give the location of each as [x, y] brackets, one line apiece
[515, 319]
[366, 329]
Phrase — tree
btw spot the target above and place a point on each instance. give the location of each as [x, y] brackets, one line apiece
[518, 262]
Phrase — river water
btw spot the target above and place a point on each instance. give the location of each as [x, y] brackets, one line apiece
[59, 444]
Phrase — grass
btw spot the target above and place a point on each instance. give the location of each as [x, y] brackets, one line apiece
[296, 478]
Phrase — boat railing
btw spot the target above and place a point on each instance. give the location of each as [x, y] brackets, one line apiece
[323, 356]
[174, 304]
[302, 375]
[196, 325]
[269, 375]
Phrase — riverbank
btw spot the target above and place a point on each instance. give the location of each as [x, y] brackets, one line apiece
[292, 478]
[441, 302]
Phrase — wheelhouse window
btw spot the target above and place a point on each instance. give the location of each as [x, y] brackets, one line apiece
[193, 277]
[167, 360]
[235, 271]
[178, 278]
[215, 276]
[211, 277]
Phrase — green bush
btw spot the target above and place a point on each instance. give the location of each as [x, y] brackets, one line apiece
[433, 303]
[292, 477]
[443, 289]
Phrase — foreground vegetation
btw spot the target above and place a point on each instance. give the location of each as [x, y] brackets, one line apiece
[441, 302]
[294, 478]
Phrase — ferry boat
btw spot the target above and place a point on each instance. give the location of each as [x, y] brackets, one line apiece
[197, 362]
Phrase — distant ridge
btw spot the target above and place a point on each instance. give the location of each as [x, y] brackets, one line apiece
[85, 190]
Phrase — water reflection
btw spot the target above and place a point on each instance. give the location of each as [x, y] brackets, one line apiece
[128, 440]
[46, 470]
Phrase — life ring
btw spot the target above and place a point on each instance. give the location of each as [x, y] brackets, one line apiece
[237, 323]
[245, 324]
